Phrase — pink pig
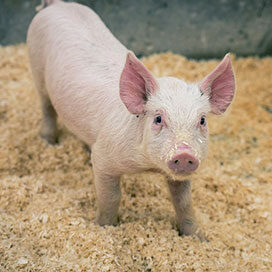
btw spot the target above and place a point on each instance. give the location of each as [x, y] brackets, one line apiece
[131, 120]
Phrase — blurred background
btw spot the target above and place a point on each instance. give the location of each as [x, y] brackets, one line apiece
[194, 28]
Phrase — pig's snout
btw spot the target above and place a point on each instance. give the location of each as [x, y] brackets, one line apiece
[183, 162]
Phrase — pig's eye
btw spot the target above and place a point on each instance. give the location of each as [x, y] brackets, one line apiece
[203, 121]
[158, 119]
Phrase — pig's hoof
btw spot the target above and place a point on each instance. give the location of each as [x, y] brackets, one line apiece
[88, 149]
[198, 233]
[201, 236]
[51, 139]
[104, 221]
[191, 229]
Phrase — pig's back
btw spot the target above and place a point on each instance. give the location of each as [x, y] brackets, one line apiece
[81, 62]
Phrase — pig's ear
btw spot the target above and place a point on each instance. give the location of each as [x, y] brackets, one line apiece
[220, 86]
[136, 84]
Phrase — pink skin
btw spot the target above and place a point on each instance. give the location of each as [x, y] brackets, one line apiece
[220, 85]
[136, 83]
[109, 99]
[184, 162]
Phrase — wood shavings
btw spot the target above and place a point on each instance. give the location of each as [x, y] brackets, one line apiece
[47, 198]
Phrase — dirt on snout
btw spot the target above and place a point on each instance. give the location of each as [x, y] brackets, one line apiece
[47, 197]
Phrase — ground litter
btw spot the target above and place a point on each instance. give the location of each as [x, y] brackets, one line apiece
[47, 197]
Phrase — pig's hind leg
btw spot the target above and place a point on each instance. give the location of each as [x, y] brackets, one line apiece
[49, 130]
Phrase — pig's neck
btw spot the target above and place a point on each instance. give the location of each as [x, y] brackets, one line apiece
[120, 144]
[137, 150]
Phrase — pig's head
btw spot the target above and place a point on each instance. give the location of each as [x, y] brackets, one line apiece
[174, 113]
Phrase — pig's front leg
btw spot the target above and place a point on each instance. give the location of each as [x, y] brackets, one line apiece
[108, 193]
[181, 196]
[108, 196]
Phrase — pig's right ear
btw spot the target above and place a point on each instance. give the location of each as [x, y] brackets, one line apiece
[136, 84]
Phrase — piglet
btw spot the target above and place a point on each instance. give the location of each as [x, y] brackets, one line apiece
[131, 120]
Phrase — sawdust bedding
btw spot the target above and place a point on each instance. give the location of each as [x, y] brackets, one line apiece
[47, 198]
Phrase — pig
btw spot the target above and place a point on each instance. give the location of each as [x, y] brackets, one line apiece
[131, 120]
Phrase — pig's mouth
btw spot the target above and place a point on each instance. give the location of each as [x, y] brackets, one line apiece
[178, 175]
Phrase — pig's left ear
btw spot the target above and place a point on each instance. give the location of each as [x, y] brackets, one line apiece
[136, 84]
[220, 86]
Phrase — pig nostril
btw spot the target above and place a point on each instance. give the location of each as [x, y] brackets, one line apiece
[183, 163]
